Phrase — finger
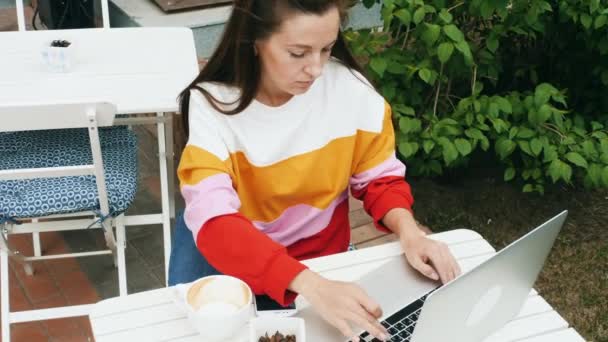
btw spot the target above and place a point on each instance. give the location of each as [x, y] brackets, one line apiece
[453, 263]
[457, 267]
[424, 268]
[449, 264]
[444, 265]
[439, 262]
[368, 303]
[345, 329]
[364, 320]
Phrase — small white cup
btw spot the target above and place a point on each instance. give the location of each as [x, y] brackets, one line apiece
[58, 59]
[219, 306]
[270, 325]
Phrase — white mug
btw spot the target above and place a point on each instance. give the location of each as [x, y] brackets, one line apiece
[219, 306]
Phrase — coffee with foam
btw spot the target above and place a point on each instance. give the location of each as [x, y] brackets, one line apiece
[218, 295]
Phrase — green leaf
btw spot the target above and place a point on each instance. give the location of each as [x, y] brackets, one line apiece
[544, 113]
[464, 48]
[509, 174]
[485, 144]
[408, 149]
[594, 172]
[594, 5]
[419, 15]
[492, 42]
[474, 133]
[605, 176]
[431, 33]
[504, 105]
[408, 125]
[589, 149]
[542, 93]
[528, 188]
[463, 146]
[504, 147]
[559, 98]
[558, 169]
[404, 16]
[486, 9]
[525, 133]
[378, 64]
[525, 146]
[605, 77]
[450, 153]
[454, 33]
[403, 109]
[586, 20]
[577, 159]
[513, 132]
[536, 146]
[428, 146]
[445, 16]
[600, 21]
[444, 52]
[604, 146]
[425, 75]
[435, 166]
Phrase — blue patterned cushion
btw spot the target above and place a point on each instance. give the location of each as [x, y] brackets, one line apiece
[42, 197]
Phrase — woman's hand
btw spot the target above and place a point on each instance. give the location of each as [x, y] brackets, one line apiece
[431, 258]
[341, 304]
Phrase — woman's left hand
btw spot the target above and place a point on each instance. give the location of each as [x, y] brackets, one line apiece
[431, 258]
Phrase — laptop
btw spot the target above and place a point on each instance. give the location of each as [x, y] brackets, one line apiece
[469, 308]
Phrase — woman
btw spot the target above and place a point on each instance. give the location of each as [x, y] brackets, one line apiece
[281, 124]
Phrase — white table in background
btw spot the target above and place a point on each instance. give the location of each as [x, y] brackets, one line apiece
[140, 70]
[153, 315]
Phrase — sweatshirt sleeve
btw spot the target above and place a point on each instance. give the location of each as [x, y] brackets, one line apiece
[228, 240]
[378, 177]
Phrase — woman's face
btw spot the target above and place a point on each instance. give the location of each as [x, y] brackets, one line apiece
[294, 56]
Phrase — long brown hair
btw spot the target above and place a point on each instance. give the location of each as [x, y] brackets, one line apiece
[234, 62]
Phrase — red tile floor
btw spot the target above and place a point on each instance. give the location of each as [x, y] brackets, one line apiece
[54, 283]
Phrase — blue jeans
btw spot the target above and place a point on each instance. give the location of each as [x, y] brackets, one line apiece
[186, 263]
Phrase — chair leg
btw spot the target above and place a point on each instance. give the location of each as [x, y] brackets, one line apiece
[4, 296]
[5, 246]
[121, 245]
[108, 234]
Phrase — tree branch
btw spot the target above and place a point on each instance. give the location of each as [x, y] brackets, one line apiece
[438, 90]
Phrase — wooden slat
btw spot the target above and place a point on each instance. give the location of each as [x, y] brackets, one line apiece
[365, 233]
[354, 204]
[377, 241]
[359, 218]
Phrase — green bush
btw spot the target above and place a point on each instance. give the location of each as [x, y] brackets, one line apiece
[524, 80]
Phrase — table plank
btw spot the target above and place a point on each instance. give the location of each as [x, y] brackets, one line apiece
[567, 335]
[153, 315]
[322, 264]
[138, 69]
[529, 327]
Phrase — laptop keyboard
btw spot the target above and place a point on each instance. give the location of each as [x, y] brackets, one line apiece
[399, 325]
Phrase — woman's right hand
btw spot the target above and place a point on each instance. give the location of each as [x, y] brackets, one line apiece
[341, 304]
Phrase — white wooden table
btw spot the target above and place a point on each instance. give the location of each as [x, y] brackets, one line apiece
[140, 70]
[153, 315]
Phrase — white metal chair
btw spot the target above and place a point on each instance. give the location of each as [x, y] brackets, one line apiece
[95, 183]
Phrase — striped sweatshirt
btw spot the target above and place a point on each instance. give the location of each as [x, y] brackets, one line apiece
[269, 186]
